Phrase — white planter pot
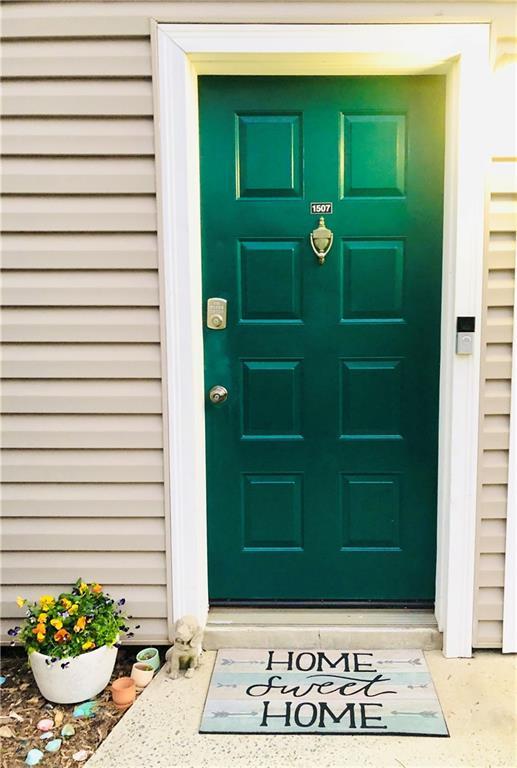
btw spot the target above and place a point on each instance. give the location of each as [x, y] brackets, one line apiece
[84, 676]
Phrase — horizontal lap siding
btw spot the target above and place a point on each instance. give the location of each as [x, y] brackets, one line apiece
[82, 466]
[82, 491]
[499, 287]
[494, 436]
[82, 325]
[130, 19]
[79, 213]
[77, 176]
[116, 137]
[76, 58]
[71, 97]
[90, 500]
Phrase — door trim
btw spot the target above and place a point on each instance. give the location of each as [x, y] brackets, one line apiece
[181, 52]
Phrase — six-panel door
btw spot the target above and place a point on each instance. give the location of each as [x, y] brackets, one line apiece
[321, 464]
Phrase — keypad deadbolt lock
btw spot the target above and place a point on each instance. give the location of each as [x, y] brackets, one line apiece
[216, 314]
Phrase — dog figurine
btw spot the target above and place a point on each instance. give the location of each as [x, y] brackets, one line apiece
[186, 651]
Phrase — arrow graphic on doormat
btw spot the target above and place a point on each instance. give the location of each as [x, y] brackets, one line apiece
[416, 662]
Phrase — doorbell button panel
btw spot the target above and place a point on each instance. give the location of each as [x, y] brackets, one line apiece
[465, 329]
[216, 314]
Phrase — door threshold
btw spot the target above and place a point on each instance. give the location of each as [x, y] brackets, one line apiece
[371, 628]
[337, 604]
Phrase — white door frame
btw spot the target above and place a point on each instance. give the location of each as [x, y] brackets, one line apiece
[182, 52]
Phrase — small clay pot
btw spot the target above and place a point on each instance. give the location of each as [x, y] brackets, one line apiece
[123, 692]
[142, 674]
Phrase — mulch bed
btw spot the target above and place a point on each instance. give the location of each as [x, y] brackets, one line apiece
[19, 694]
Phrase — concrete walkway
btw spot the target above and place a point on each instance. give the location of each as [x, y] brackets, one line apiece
[478, 697]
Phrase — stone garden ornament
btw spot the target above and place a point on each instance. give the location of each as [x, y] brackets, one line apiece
[187, 648]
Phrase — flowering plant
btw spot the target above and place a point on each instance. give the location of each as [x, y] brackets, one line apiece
[72, 623]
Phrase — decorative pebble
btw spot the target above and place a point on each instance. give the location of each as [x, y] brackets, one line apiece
[34, 756]
[2, 679]
[53, 745]
[45, 725]
[6, 732]
[47, 735]
[80, 756]
[67, 730]
[86, 709]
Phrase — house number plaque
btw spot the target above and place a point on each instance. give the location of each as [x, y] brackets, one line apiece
[321, 208]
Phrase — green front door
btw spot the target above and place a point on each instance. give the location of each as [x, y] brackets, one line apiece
[322, 462]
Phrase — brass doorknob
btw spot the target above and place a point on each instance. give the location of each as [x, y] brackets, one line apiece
[218, 394]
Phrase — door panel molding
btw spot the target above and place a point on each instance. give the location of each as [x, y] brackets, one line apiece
[182, 52]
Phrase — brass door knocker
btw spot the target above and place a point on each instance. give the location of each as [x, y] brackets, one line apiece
[321, 240]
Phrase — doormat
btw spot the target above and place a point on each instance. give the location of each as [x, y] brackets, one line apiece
[322, 691]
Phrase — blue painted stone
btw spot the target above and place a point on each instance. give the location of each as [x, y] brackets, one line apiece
[86, 709]
[53, 745]
[34, 757]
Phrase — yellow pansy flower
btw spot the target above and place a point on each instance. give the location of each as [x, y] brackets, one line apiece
[96, 589]
[66, 603]
[73, 609]
[46, 602]
[80, 624]
[83, 587]
[42, 618]
[57, 623]
[20, 601]
[40, 637]
[87, 645]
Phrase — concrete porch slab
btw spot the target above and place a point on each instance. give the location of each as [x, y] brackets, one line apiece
[478, 697]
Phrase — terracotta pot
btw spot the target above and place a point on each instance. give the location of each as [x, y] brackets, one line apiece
[123, 692]
[142, 674]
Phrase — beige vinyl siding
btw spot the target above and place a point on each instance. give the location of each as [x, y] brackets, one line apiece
[82, 396]
[81, 329]
[496, 366]
[495, 418]
[82, 466]
[88, 136]
[130, 18]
